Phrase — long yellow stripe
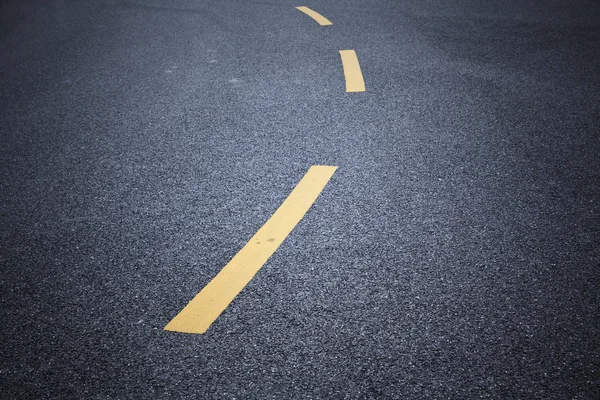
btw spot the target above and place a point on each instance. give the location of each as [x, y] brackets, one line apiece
[315, 15]
[206, 307]
[352, 72]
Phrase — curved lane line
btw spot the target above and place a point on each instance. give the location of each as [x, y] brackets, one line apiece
[352, 72]
[315, 15]
[206, 307]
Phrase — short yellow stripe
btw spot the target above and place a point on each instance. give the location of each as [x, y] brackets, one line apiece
[315, 15]
[354, 77]
[206, 307]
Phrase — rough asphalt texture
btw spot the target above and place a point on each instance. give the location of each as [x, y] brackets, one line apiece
[454, 255]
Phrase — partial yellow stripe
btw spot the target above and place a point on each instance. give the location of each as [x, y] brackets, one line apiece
[206, 307]
[352, 72]
[315, 15]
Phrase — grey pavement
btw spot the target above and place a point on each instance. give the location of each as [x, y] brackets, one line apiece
[455, 254]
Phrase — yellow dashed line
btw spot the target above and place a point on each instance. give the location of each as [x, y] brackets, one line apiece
[352, 72]
[206, 307]
[315, 15]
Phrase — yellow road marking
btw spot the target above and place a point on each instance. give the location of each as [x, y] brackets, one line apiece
[315, 15]
[354, 77]
[206, 307]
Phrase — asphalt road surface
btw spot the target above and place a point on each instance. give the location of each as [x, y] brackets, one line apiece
[453, 254]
